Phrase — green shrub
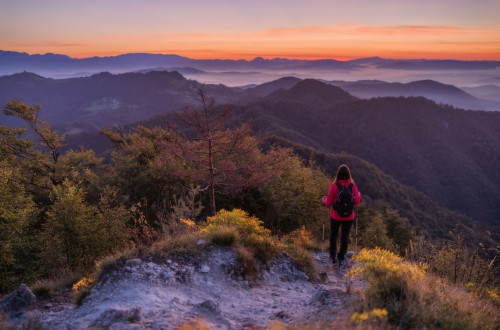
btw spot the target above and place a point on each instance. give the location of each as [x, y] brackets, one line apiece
[16, 209]
[239, 219]
[249, 230]
[294, 198]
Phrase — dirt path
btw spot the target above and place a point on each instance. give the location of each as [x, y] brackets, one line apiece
[148, 295]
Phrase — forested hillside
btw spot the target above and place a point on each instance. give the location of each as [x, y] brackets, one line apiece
[451, 155]
[104, 99]
[424, 214]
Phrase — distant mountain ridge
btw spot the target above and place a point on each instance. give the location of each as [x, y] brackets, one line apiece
[14, 62]
[105, 99]
[433, 90]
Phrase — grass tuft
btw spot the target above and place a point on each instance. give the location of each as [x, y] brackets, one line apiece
[224, 236]
[298, 245]
[263, 247]
[43, 289]
[183, 244]
[113, 262]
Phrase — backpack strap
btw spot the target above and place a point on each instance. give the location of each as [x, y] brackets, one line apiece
[350, 186]
[339, 186]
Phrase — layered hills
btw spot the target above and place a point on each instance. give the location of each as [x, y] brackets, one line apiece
[449, 154]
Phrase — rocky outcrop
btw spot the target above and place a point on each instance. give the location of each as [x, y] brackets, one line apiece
[165, 293]
[14, 304]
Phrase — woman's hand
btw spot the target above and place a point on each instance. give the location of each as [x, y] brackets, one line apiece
[323, 199]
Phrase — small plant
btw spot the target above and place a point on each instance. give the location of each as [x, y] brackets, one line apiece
[297, 245]
[376, 315]
[303, 259]
[247, 260]
[82, 289]
[229, 226]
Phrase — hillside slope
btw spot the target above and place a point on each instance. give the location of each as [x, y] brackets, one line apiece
[451, 155]
[423, 213]
[433, 90]
[105, 99]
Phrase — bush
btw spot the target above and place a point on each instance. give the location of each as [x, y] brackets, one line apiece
[239, 219]
[294, 197]
[375, 235]
[414, 299]
[16, 209]
[238, 224]
[76, 234]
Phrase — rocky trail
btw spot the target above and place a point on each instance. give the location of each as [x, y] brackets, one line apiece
[147, 294]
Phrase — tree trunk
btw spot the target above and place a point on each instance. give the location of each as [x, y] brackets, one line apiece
[211, 192]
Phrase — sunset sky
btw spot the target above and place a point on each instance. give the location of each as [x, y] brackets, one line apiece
[454, 29]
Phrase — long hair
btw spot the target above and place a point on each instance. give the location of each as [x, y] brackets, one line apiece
[343, 173]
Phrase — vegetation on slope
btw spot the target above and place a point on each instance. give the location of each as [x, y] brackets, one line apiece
[439, 150]
[409, 297]
[71, 210]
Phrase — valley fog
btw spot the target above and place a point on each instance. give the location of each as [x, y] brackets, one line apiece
[469, 78]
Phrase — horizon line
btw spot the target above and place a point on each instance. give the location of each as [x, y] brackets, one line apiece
[249, 59]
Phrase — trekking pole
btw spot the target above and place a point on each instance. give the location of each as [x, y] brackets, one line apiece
[356, 234]
[323, 239]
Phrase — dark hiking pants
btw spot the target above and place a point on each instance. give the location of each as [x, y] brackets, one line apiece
[344, 238]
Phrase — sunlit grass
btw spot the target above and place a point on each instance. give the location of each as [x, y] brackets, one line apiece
[413, 298]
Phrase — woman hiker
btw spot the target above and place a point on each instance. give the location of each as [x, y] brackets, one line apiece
[342, 196]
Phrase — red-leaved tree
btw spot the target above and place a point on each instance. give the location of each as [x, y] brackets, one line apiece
[214, 156]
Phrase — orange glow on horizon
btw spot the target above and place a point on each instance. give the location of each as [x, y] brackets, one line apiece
[340, 42]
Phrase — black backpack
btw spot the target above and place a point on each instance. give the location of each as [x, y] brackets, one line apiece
[344, 205]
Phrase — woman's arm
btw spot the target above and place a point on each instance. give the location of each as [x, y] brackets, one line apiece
[330, 198]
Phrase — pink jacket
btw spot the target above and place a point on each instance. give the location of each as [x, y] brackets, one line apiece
[332, 197]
